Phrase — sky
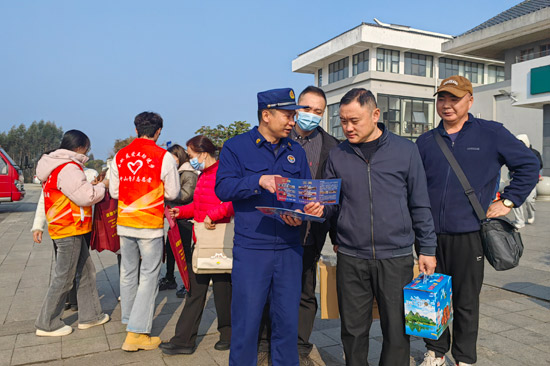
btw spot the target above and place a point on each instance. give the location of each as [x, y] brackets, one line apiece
[94, 65]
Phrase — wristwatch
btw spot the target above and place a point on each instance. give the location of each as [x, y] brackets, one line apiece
[506, 202]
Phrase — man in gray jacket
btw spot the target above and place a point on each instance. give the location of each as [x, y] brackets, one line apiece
[384, 205]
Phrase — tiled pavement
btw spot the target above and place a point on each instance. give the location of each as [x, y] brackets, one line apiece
[514, 327]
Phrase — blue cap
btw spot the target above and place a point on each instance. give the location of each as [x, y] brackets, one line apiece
[278, 99]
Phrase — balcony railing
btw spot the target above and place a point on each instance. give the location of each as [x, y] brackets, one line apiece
[532, 56]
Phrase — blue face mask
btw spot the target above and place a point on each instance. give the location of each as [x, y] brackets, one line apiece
[308, 121]
[196, 165]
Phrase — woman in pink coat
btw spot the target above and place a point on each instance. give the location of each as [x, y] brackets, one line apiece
[206, 209]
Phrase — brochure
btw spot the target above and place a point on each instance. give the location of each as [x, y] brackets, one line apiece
[304, 191]
[283, 211]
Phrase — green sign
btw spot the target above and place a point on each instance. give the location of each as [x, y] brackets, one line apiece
[540, 80]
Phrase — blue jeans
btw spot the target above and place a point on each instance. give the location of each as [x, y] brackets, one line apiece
[73, 258]
[137, 295]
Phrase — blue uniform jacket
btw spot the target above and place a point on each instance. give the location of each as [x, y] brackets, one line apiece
[384, 202]
[243, 160]
[481, 148]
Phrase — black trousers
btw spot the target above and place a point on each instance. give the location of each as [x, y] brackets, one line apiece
[358, 282]
[188, 323]
[308, 306]
[461, 256]
[186, 233]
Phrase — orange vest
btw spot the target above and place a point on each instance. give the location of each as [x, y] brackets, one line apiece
[141, 191]
[64, 217]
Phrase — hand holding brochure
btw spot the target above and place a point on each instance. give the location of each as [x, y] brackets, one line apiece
[304, 191]
[283, 211]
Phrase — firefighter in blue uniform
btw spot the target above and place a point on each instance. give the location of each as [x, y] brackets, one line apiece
[267, 255]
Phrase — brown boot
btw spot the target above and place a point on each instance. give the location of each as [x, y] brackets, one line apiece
[137, 341]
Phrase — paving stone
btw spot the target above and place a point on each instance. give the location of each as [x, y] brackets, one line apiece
[495, 325]
[321, 340]
[540, 315]
[31, 339]
[7, 342]
[78, 347]
[116, 340]
[117, 357]
[40, 353]
[510, 305]
[5, 357]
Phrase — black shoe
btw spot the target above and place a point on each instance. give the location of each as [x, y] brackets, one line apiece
[181, 292]
[169, 348]
[74, 307]
[222, 345]
[167, 284]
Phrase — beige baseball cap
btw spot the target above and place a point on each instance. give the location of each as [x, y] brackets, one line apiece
[457, 85]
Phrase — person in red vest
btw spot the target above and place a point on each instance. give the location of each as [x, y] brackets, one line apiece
[68, 200]
[142, 176]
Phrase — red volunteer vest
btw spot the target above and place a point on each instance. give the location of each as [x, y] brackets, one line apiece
[64, 217]
[141, 191]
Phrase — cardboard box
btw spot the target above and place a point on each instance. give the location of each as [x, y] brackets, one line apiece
[428, 306]
[327, 285]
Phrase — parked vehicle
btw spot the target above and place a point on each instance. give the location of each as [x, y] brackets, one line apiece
[11, 179]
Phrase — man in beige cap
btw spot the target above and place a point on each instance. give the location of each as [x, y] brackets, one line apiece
[481, 148]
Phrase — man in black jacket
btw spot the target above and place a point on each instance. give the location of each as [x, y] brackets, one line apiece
[317, 144]
[384, 205]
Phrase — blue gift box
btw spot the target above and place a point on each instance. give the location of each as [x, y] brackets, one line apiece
[428, 305]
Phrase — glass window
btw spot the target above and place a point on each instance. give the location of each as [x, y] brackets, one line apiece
[338, 70]
[387, 60]
[361, 62]
[495, 74]
[545, 49]
[406, 116]
[334, 120]
[3, 167]
[419, 65]
[320, 78]
[473, 71]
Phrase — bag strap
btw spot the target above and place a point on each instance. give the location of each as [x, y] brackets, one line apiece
[468, 190]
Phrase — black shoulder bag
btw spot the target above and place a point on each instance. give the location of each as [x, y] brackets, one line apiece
[502, 244]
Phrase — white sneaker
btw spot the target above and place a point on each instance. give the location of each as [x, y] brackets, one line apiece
[529, 221]
[103, 320]
[431, 360]
[63, 331]
[464, 364]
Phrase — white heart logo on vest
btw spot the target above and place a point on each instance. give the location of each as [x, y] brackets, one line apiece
[135, 166]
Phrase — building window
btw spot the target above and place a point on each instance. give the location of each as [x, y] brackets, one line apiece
[338, 70]
[419, 65]
[406, 116]
[527, 54]
[320, 78]
[334, 120]
[472, 71]
[361, 62]
[544, 50]
[387, 60]
[495, 74]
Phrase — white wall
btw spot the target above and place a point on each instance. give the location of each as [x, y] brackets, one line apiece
[493, 105]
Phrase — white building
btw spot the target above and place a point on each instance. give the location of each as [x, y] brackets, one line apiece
[519, 36]
[402, 66]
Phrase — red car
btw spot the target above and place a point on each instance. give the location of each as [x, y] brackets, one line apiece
[11, 179]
